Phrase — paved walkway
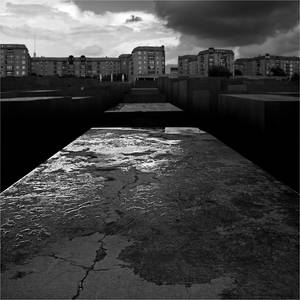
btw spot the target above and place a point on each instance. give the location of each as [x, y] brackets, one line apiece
[144, 213]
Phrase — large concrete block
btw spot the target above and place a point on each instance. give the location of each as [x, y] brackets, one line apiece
[183, 93]
[200, 101]
[237, 88]
[174, 89]
[169, 90]
[259, 112]
[205, 83]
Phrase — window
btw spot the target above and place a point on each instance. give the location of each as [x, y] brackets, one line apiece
[23, 67]
[9, 68]
[23, 72]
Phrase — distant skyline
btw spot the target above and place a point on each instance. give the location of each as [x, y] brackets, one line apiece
[110, 28]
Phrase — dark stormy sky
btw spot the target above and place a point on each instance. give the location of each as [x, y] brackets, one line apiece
[109, 28]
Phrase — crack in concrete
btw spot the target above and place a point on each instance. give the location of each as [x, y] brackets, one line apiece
[126, 185]
[100, 254]
[71, 262]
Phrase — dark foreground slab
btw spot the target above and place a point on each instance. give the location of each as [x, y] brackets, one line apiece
[136, 213]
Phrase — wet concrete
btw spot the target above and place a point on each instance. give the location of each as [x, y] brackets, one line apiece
[149, 213]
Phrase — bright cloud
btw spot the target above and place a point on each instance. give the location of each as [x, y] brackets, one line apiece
[61, 28]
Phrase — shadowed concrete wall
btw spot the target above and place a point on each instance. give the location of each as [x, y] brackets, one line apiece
[262, 127]
[33, 129]
[201, 95]
[49, 82]
[268, 125]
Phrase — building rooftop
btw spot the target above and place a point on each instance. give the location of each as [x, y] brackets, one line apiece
[148, 48]
[214, 50]
[270, 56]
[125, 55]
[41, 58]
[13, 46]
[191, 57]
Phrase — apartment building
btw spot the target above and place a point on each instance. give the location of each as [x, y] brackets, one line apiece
[126, 66]
[75, 66]
[263, 64]
[148, 62]
[174, 72]
[215, 57]
[14, 60]
[193, 68]
[186, 64]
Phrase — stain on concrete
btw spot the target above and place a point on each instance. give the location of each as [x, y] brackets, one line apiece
[20, 274]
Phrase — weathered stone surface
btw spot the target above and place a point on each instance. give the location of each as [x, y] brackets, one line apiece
[144, 107]
[41, 278]
[148, 213]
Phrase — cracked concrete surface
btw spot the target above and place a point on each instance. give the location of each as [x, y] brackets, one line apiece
[149, 213]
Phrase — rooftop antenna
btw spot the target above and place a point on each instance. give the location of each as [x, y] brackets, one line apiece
[34, 53]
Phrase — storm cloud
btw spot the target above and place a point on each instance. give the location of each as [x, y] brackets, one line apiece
[229, 23]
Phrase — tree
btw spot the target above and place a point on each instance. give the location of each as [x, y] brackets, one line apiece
[82, 59]
[219, 71]
[295, 77]
[277, 71]
[238, 72]
[71, 60]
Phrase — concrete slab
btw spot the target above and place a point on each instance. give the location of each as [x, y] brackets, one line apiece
[41, 278]
[263, 97]
[237, 87]
[122, 213]
[24, 99]
[81, 97]
[39, 91]
[117, 279]
[144, 89]
[262, 113]
[183, 130]
[144, 107]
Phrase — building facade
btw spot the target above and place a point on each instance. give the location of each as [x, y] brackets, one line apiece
[126, 66]
[186, 63]
[193, 68]
[148, 62]
[174, 72]
[215, 57]
[14, 60]
[263, 64]
[75, 66]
